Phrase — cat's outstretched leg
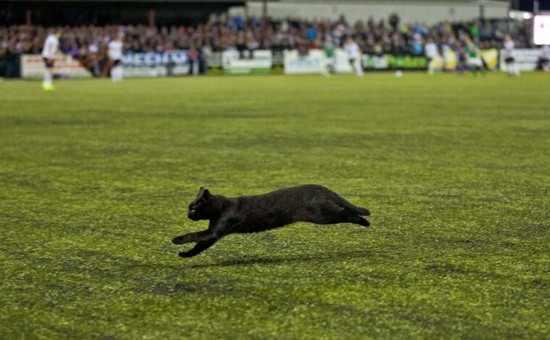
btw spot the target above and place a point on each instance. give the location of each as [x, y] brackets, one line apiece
[358, 220]
[345, 213]
[198, 248]
[193, 237]
[353, 215]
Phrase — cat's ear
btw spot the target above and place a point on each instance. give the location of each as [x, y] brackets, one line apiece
[203, 193]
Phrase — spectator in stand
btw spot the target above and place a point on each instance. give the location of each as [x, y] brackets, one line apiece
[225, 32]
[251, 44]
[241, 44]
[417, 47]
[394, 22]
[92, 53]
[193, 61]
[3, 51]
[475, 31]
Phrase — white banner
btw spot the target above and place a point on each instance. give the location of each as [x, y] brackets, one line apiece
[155, 71]
[378, 62]
[525, 59]
[32, 66]
[260, 61]
[313, 63]
[541, 29]
[155, 64]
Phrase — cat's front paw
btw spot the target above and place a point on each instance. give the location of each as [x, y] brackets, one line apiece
[178, 240]
[186, 254]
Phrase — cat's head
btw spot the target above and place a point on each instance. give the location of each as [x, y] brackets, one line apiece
[199, 209]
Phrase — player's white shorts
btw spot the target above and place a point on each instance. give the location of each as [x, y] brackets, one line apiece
[475, 62]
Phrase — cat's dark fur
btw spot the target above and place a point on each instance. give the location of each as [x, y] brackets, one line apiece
[246, 214]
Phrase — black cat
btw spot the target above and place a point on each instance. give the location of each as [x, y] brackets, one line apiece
[247, 214]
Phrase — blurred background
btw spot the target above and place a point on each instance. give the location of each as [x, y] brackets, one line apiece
[180, 37]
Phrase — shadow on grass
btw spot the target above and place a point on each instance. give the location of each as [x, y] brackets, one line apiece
[233, 286]
[265, 260]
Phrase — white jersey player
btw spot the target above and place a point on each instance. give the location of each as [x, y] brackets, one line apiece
[115, 48]
[49, 52]
[432, 54]
[354, 56]
[509, 60]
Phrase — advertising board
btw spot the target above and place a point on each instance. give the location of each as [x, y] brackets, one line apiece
[155, 64]
[312, 63]
[32, 66]
[525, 59]
[259, 61]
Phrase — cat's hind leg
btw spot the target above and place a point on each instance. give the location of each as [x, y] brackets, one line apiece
[345, 214]
[358, 220]
[352, 214]
[333, 213]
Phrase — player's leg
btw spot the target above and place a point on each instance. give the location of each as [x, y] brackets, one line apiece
[47, 81]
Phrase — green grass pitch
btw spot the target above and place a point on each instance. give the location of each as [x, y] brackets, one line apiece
[95, 179]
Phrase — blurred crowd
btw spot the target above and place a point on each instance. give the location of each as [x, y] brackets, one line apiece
[225, 32]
